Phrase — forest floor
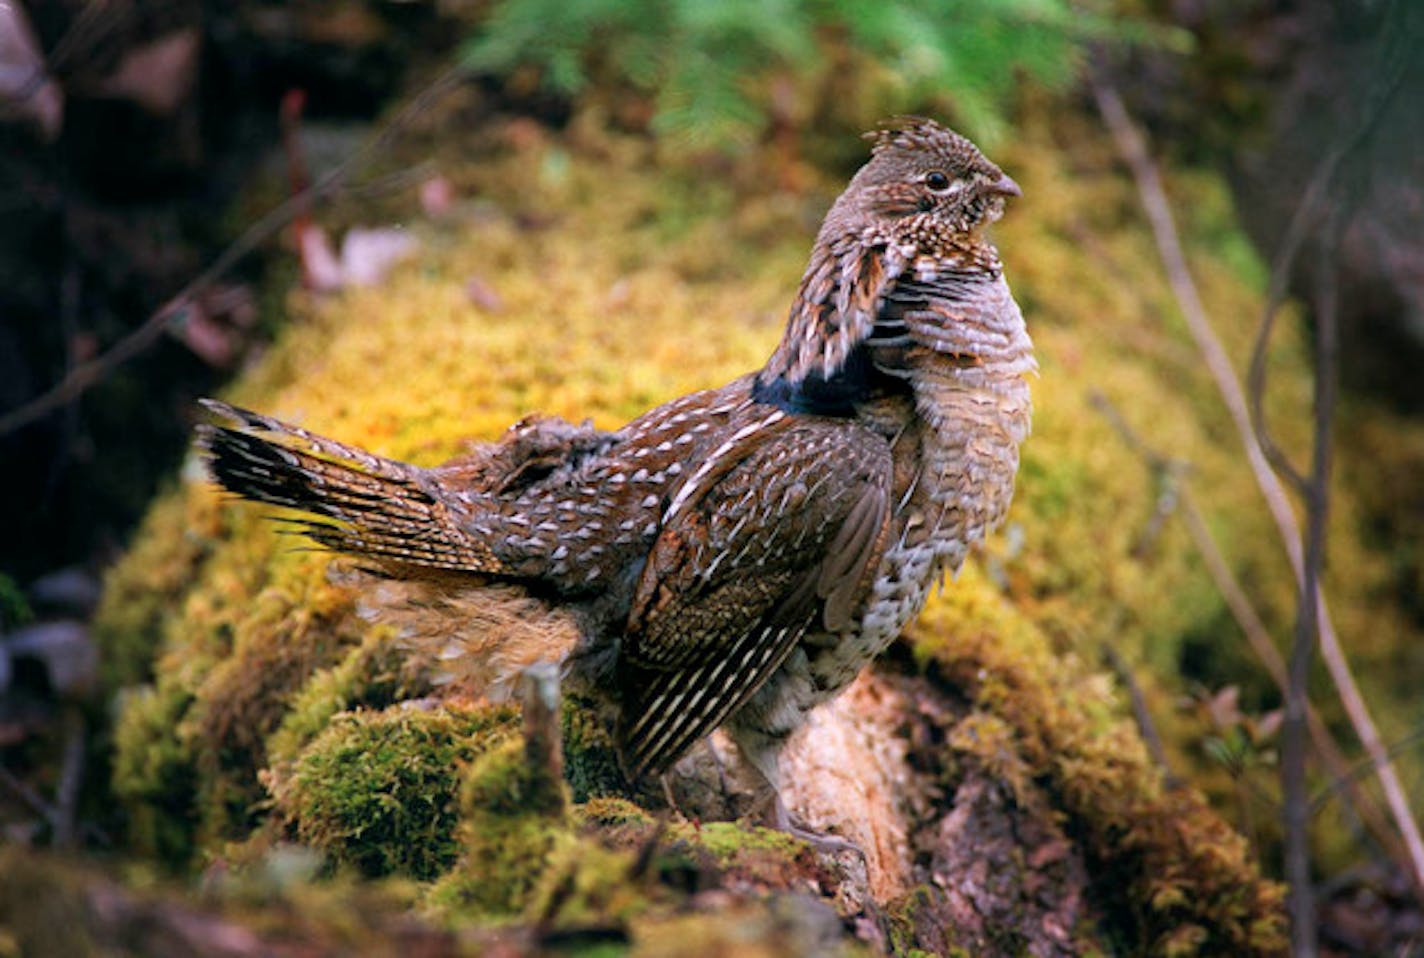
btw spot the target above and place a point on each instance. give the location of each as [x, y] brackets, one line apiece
[265, 758]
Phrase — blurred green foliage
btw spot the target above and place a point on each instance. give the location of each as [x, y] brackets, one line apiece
[14, 610]
[717, 72]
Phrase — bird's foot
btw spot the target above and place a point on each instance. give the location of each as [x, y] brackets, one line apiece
[823, 842]
[720, 764]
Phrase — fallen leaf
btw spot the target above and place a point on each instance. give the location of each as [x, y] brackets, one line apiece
[158, 75]
[437, 197]
[321, 270]
[367, 254]
[27, 91]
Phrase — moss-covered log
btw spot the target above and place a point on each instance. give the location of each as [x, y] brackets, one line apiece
[990, 772]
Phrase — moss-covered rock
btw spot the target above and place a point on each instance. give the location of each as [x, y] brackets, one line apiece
[191, 744]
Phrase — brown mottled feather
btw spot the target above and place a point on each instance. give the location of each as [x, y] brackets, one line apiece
[740, 573]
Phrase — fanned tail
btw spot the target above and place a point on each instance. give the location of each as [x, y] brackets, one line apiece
[368, 505]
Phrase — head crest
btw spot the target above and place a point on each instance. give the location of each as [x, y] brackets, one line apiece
[913, 132]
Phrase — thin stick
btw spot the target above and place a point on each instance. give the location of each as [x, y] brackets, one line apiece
[1359, 770]
[1404, 28]
[1258, 637]
[1142, 715]
[27, 794]
[1154, 200]
[1295, 813]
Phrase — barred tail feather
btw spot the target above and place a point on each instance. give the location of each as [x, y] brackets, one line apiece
[368, 505]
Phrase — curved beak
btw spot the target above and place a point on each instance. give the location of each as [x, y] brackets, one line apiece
[1006, 186]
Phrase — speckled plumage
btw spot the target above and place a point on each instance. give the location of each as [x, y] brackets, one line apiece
[739, 553]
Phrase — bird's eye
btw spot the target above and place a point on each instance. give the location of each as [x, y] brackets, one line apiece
[936, 181]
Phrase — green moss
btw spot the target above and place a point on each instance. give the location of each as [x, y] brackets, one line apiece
[731, 843]
[155, 775]
[906, 913]
[900, 920]
[609, 812]
[771, 926]
[142, 591]
[371, 676]
[512, 821]
[590, 754]
[377, 790]
[1175, 874]
[993, 744]
[586, 884]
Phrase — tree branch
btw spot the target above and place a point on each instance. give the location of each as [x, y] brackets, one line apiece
[83, 376]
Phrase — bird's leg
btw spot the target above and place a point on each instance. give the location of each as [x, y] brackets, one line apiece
[763, 755]
[720, 764]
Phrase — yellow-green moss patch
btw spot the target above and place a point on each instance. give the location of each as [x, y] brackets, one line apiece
[371, 676]
[732, 843]
[590, 753]
[141, 592]
[155, 775]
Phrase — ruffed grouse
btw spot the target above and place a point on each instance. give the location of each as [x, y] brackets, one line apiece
[737, 555]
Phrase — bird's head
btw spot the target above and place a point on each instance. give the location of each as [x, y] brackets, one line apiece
[915, 211]
[923, 185]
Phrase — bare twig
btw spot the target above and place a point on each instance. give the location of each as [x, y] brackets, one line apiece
[1140, 713]
[26, 794]
[71, 775]
[87, 374]
[1133, 149]
[1258, 637]
[1360, 769]
[1295, 812]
